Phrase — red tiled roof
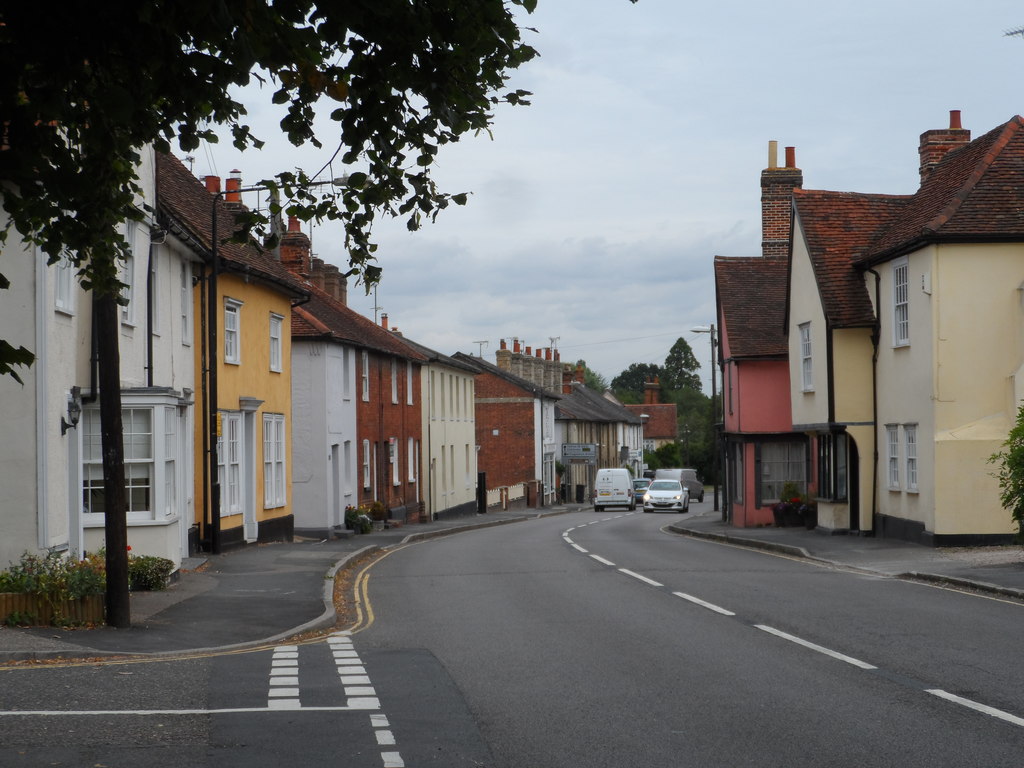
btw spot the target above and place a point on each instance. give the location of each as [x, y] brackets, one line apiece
[662, 424]
[838, 228]
[975, 193]
[189, 205]
[323, 316]
[752, 300]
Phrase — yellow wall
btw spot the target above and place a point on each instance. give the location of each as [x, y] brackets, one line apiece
[251, 378]
[809, 407]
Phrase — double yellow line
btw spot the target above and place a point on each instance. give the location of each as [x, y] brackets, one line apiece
[361, 595]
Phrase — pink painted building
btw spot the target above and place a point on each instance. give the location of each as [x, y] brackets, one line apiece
[761, 451]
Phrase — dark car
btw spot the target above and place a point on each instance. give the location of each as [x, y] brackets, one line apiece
[639, 486]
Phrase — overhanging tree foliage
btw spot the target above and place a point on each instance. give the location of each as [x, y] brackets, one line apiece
[79, 97]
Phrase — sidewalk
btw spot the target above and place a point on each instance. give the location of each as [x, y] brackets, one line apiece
[262, 594]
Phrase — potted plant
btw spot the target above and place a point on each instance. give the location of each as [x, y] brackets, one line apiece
[788, 512]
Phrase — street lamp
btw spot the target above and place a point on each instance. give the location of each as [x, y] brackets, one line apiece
[710, 329]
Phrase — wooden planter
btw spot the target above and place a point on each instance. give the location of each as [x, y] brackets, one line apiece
[36, 611]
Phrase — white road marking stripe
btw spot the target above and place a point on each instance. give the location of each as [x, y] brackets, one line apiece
[703, 604]
[379, 721]
[644, 579]
[348, 662]
[355, 680]
[392, 760]
[284, 681]
[385, 738]
[359, 704]
[985, 710]
[602, 560]
[360, 690]
[581, 549]
[818, 648]
[282, 692]
[284, 663]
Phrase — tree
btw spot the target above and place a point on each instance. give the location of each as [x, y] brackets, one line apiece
[79, 97]
[629, 385]
[1010, 475]
[681, 367]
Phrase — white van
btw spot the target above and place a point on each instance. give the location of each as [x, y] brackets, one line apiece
[688, 477]
[613, 487]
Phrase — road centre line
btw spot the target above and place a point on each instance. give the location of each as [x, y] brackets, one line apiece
[603, 560]
[644, 579]
[703, 604]
[815, 647]
[984, 709]
[581, 549]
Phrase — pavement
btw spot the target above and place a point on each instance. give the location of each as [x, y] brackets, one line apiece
[262, 594]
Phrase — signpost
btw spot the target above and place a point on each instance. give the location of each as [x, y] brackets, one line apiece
[580, 453]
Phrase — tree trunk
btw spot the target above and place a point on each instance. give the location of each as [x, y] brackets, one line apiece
[116, 518]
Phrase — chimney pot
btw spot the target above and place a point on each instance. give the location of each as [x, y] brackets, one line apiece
[791, 157]
[515, 346]
[773, 155]
[529, 351]
[233, 187]
[212, 184]
[293, 224]
[502, 344]
[954, 120]
[384, 320]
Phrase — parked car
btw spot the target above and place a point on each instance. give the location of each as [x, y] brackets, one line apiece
[688, 477]
[666, 495]
[639, 486]
[613, 487]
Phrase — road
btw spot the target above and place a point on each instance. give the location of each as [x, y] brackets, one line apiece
[585, 639]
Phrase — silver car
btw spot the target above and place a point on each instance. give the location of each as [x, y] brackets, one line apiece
[667, 496]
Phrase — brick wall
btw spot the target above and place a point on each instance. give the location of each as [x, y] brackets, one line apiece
[508, 456]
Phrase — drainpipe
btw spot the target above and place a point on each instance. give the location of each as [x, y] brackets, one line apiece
[42, 410]
[876, 333]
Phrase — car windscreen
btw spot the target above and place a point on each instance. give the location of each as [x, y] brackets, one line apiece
[665, 485]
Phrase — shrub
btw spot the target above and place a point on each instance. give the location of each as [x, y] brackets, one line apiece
[147, 572]
[55, 577]
[1011, 473]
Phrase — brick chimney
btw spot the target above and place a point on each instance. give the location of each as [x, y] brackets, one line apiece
[335, 284]
[777, 185]
[568, 376]
[503, 357]
[652, 391]
[384, 320]
[935, 144]
[295, 249]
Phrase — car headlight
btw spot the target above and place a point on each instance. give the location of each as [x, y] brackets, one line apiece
[677, 498]
[647, 497]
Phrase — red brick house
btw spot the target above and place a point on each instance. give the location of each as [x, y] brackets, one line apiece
[660, 420]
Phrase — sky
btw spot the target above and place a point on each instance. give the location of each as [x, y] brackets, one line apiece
[596, 212]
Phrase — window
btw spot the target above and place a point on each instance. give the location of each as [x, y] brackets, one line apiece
[366, 463]
[806, 369]
[185, 291]
[781, 463]
[229, 463]
[432, 396]
[412, 460]
[232, 331]
[394, 380]
[892, 453]
[408, 382]
[346, 372]
[128, 274]
[900, 304]
[832, 466]
[170, 504]
[365, 359]
[469, 468]
[64, 281]
[138, 461]
[738, 478]
[393, 458]
[276, 323]
[910, 454]
[274, 486]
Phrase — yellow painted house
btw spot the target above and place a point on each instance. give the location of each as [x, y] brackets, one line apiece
[243, 449]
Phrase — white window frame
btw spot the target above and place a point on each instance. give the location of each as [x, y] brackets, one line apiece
[230, 466]
[396, 474]
[910, 455]
[412, 460]
[806, 361]
[365, 376]
[394, 381]
[275, 485]
[185, 296]
[901, 303]
[63, 285]
[276, 342]
[892, 456]
[153, 440]
[127, 268]
[408, 383]
[366, 464]
[232, 331]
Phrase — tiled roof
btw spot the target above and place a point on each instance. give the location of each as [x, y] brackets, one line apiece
[483, 366]
[974, 194]
[752, 300]
[186, 206]
[324, 317]
[585, 404]
[433, 356]
[663, 422]
[839, 228]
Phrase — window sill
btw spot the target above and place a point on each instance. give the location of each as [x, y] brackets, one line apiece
[98, 522]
